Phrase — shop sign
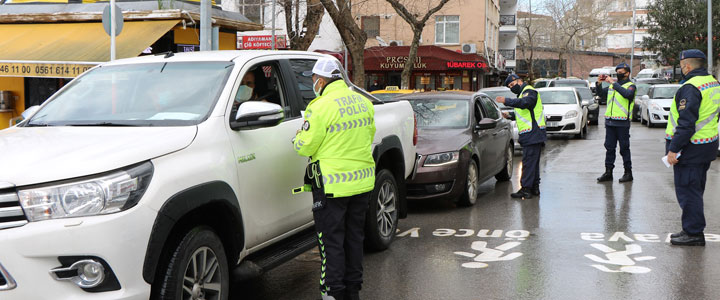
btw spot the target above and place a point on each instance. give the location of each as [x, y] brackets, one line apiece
[261, 42]
[398, 62]
[41, 69]
[466, 65]
[188, 48]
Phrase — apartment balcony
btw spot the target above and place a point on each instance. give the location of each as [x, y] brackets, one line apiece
[508, 3]
[507, 24]
[509, 54]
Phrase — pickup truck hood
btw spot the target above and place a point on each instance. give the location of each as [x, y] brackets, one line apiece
[441, 140]
[31, 155]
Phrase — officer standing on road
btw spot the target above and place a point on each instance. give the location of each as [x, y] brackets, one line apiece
[620, 97]
[341, 176]
[531, 127]
[692, 143]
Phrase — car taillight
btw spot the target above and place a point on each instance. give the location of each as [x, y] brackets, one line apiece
[415, 132]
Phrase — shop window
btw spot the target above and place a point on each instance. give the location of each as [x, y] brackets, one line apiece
[425, 82]
[447, 29]
[371, 26]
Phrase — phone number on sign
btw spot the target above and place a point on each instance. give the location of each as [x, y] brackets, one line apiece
[43, 69]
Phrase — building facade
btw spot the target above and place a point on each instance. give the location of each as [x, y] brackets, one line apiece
[620, 30]
[508, 33]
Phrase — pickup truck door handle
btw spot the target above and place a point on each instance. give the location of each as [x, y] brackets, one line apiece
[495, 133]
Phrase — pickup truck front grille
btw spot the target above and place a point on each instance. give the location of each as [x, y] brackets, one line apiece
[11, 213]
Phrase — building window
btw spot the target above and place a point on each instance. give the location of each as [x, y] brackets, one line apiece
[371, 26]
[447, 30]
[251, 9]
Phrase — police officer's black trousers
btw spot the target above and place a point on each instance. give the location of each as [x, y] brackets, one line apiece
[613, 136]
[689, 189]
[340, 227]
[531, 165]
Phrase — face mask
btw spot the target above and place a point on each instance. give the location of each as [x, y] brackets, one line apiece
[317, 94]
[621, 76]
[244, 93]
[516, 89]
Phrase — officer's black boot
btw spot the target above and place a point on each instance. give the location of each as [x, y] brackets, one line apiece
[535, 190]
[627, 176]
[607, 176]
[522, 193]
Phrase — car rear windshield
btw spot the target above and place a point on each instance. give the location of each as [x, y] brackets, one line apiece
[642, 89]
[664, 92]
[494, 94]
[569, 84]
[558, 97]
[151, 94]
[441, 113]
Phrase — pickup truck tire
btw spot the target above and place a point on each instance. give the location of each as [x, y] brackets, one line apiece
[470, 194]
[506, 172]
[199, 255]
[382, 215]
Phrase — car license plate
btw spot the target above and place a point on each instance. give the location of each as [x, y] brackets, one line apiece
[553, 124]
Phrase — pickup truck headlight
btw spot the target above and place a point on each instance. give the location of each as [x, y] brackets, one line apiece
[571, 114]
[107, 194]
[439, 159]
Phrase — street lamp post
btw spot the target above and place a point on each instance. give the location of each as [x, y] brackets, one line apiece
[710, 38]
[632, 52]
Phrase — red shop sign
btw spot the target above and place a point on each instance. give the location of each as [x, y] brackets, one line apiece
[466, 65]
[261, 42]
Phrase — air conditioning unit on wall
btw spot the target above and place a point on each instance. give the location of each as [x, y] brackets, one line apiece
[469, 48]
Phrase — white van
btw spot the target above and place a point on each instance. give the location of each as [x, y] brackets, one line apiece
[649, 73]
[594, 73]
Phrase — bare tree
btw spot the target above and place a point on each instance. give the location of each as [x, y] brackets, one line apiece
[527, 39]
[417, 26]
[300, 37]
[353, 36]
[573, 18]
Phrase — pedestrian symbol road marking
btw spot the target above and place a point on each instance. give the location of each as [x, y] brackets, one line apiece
[620, 258]
[488, 254]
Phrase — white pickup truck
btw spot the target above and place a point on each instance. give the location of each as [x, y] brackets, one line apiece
[140, 179]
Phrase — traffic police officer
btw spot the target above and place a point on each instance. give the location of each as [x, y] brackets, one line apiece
[692, 143]
[341, 176]
[620, 97]
[530, 121]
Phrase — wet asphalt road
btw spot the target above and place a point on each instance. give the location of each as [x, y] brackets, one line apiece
[579, 240]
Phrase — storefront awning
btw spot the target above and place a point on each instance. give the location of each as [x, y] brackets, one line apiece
[77, 42]
[429, 58]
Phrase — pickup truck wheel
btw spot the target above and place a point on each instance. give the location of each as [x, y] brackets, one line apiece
[506, 172]
[382, 215]
[197, 268]
[469, 196]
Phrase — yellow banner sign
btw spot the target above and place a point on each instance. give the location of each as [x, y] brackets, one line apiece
[40, 69]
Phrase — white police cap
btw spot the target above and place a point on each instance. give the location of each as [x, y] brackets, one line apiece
[326, 67]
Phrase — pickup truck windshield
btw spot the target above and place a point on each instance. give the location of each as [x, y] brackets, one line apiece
[558, 97]
[152, 94]
[441, 113]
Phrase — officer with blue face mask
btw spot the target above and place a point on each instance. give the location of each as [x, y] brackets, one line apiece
[530, 120]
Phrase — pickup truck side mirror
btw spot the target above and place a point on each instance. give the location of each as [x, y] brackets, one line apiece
[257, 114]
[486, 123]
[585, 103]
[645, 97]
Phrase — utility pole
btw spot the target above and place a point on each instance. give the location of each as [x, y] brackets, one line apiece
[205, 26]
[273, 23]
[112, 30]
[632, 52]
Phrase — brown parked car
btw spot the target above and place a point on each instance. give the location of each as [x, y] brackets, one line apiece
[463, 140]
